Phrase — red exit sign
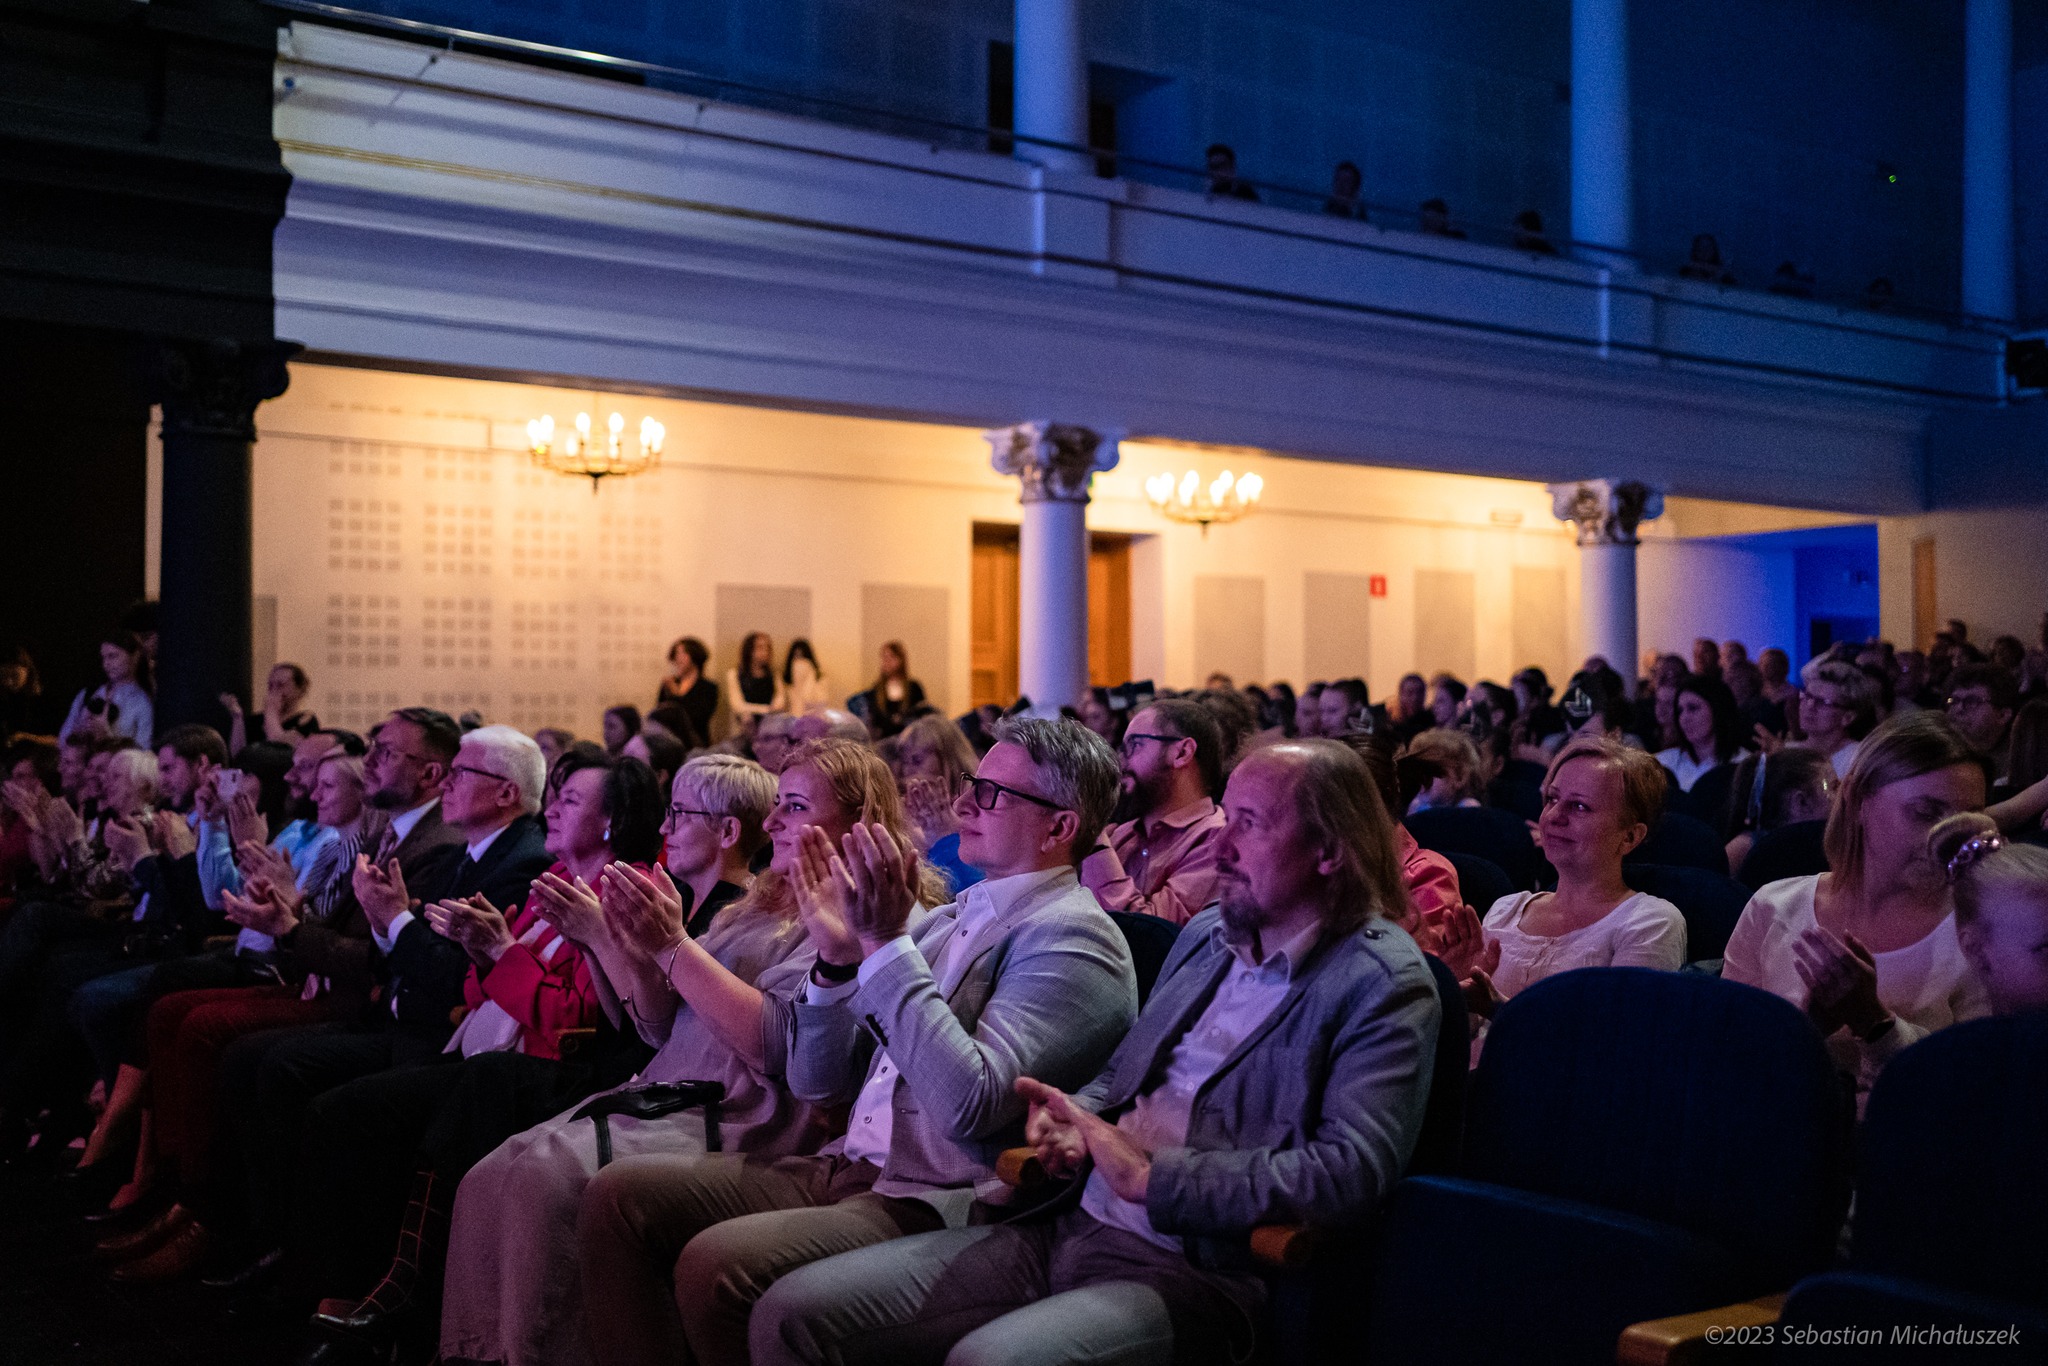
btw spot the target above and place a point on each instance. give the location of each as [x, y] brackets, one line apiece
[1379, 585]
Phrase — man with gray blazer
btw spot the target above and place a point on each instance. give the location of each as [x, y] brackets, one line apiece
[1277, 1075]
[927, 1036]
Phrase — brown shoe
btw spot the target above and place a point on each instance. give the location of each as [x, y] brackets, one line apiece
[148, 1238]
[182, 1256]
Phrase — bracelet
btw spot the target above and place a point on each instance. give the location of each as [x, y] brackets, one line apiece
[668, 973]
[834, 974]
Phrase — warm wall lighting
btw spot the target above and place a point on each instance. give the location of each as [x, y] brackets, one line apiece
[595, 456]
[1226, 498]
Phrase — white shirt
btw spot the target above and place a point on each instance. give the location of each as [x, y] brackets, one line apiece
[872, 1124]
[1688, 770]
[1642, 931]
[1926, 986]
[1249, 992]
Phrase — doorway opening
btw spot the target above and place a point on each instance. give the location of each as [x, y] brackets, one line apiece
[993, 608]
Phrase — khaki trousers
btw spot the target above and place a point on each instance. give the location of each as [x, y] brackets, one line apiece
[675, 1250]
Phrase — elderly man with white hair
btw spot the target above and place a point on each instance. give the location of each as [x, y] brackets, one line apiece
[492, 797]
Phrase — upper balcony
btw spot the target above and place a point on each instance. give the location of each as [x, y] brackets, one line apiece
[607, 188]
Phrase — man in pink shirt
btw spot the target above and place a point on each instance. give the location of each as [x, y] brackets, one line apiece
[1163, 861]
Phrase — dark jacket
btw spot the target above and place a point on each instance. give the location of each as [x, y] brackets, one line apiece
[339, 948]
[424, 972]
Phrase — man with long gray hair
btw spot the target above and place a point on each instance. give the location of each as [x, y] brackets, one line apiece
[1277, 1075]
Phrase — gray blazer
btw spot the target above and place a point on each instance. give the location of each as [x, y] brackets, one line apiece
[1047, 990]
[1312, 1119]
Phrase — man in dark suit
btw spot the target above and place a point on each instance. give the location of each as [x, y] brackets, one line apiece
[489, 795]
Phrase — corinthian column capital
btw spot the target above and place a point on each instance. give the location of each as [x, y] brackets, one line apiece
[212, 387]
[1605, 511]
[1053, 459]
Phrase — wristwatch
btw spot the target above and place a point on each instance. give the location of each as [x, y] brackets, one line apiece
[834, 974]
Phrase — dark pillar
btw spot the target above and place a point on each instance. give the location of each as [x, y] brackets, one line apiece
[209, 391]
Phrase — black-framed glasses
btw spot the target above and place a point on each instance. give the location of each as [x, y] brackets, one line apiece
[454, 769]
[1134, 738]
[1965, 702]
[379, 750]
[677, 813]
[987, 790]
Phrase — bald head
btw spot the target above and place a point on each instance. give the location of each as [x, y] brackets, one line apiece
[828, 723]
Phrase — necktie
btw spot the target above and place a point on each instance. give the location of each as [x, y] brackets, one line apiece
[387, 846]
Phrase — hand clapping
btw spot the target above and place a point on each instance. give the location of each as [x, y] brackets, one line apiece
[571, 907]
[261, 908]
[475, 924]
[644, 913]
[380, 891]
[883, 876]
[823, 894]
[1062, 1131]
[1841, 982]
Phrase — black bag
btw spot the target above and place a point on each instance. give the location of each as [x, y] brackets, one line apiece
[652, 1102]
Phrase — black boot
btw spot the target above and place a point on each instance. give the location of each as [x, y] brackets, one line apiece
[411, 1288]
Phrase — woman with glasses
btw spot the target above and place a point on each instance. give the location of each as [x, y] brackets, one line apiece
[1869, 949]
[1836, 710]
[716, 998]
[935, 762]
[532, 987]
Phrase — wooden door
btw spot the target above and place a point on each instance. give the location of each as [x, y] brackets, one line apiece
[993, 606]
[1109, 610]
[1924, 623]
[993, 668]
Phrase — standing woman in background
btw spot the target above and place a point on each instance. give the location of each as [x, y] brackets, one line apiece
[802, 679]
[125, 703]
[896, 696]
[752, 690]
[686, 686]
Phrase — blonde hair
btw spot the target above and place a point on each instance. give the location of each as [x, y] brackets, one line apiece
[735, 787]
[1643, 784]
[1909, 745]
[863, 786]
[942, 737]
[1982, 866]
[1454, 753]
[138, 767]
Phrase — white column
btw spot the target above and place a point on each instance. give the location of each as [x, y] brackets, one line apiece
[1988, 260]
[1605, 513]
[1054, 461]
[1602, 188]
[1051, 99]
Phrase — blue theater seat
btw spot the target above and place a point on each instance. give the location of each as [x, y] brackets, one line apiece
[1710, 902]
[1637, 1144]
[1150, 940]
[1682, 841]
[1487, 831]
[1480, 881]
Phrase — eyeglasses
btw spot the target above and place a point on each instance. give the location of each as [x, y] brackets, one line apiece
[454, 769]
[1962, 702]
[677, 813]
[1138, 737]
[987, 790]
[1819, 701]
[379, 750]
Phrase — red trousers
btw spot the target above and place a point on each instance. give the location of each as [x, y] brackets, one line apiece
[188, 1031]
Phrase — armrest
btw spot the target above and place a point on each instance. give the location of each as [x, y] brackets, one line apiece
[571, 1041]
[1020, 1168]
[1682, 1338]
[1285, 1247]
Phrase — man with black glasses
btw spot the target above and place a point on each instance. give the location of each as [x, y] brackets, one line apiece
[926, 1034]
[1162, 860]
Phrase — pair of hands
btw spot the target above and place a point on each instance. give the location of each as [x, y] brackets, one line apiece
[929, 804]
[131, 839]
[1841, 982]
[856, 898]
[266, 904]
[474, 923]
[1063, 1134]
[1459, 938]
[640, 913]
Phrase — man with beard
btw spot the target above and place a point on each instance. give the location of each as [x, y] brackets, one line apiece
[1161, 858]
[1277, 1074]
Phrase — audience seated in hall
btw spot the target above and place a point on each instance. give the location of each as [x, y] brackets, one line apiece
[1160, 859]
[925, 1031]
[1288, 1036]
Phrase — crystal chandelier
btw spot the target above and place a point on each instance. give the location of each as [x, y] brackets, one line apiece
[1226, 498]
[579, 451]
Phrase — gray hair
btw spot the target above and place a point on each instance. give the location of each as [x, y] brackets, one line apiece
[829, 723]
[514, 757]
[139, 768]
[732, 786]
[1082, 773]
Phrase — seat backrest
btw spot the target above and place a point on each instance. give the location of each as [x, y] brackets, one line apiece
[1682, 841]
[1710, 903]
[1443, 1119]
[1480, 881]
[1794, 850]
[1708, 799]
[1675, 1097]
[1150, 940]
[1524, 799]
[1486, 831]
[1953, 1165]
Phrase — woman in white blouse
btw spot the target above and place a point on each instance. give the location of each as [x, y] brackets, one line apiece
[1868, 949]
[1600, 799]
[1709, 731]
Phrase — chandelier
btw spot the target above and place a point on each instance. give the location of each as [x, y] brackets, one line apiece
[1226, 498]
[579, 451]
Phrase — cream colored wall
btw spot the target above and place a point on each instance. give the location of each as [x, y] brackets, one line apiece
[1990, 569]
[585, 590]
